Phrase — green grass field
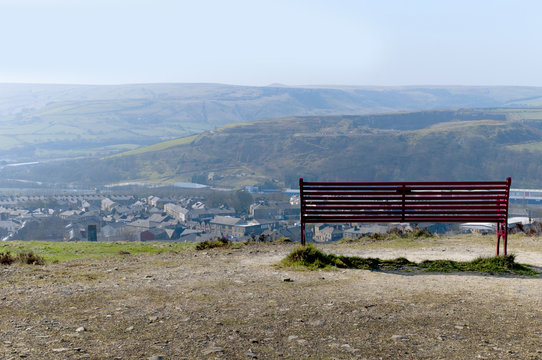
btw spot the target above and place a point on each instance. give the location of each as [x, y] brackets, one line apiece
[532, 147]
[157, 147]
[66, 251]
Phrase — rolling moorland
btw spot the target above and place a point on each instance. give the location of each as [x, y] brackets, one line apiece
[45, 122]
[426, 145]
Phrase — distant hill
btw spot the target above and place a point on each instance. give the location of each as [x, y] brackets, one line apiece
[39, 122]
[464, 144]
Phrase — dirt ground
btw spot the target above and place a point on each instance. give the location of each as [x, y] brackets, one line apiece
[235, 304]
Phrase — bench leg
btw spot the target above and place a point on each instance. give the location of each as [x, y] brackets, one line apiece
[302, 234]
[498, 237]
[505, 239]
[502, 230]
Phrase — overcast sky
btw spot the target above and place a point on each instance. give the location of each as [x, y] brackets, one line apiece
[293, 42]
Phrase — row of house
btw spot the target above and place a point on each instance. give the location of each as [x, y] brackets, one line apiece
[122, 217]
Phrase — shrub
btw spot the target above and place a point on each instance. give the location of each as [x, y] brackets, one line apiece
[309, 256]
[30, 258]
[6, 258]
[259, 238]
[218, 243]
[416, 233]
[263, 238]
[419, 232]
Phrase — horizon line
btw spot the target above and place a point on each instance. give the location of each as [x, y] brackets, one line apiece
[276, 85]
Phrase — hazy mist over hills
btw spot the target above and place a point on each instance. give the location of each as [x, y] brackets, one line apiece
[40, 122]
[465, 144]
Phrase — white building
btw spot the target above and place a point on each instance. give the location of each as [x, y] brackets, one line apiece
[176, 211]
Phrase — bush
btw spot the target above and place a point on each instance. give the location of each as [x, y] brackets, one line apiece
[24, 258]
[6, 258]
[30, 258]
[218, 243]
[416, 233]
[419, 232]
[309, 256]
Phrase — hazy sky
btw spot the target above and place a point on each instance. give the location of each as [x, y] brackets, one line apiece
[252, 42]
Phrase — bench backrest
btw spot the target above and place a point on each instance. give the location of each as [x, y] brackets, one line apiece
[475, 201]
[414, 202]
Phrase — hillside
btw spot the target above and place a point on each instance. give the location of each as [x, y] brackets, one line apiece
[42, 122]
[429, 145]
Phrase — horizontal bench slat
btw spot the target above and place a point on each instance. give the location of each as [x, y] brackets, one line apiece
[407, 213]
[398, 205]
[398, 188]
[399, 194]
[418, 200]
[407, 183]
[411, 199]
[407, 208]
[399, 219]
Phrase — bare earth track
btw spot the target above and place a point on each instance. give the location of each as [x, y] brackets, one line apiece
[235, 304]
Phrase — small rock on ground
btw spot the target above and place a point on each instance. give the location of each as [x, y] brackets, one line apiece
[156, 357]
[212, 349]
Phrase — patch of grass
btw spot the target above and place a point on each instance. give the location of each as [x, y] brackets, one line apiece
[6, 259]
[531, 146]
[28, 258]
[262, 238]
[393, 234]
[312, 258]
[217, 243]
[157, 147]
[493, 265]
[65, 251]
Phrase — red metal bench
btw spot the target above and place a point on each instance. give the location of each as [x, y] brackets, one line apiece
[406, 202]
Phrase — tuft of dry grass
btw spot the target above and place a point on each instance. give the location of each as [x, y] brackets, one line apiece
[6, 259]
[218, 243]
[28, 258]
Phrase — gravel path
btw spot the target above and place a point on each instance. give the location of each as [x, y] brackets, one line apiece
[235, 304]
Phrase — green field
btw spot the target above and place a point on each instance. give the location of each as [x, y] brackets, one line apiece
[533, 147]
[157, 147]
[66, 251]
